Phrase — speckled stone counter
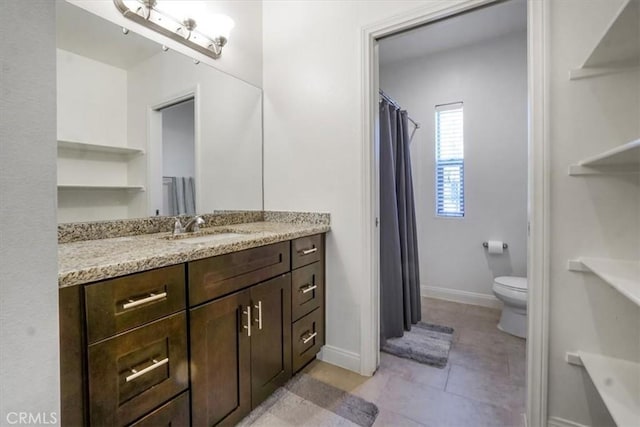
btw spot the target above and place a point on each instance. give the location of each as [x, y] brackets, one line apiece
[92, 260]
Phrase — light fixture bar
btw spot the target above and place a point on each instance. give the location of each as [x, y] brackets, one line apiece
[210, 48]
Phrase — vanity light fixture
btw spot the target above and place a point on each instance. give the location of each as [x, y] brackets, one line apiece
[207, 36]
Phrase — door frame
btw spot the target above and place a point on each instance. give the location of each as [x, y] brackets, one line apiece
[537, 199]
[154, 139]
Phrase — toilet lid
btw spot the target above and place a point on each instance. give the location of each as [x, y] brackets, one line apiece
[512, 282]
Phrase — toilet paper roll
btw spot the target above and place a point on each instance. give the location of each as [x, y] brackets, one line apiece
[495, 247]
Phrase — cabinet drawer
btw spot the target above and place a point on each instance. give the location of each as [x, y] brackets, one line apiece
[306, 250]
[174, 413]
[217, 276]
[307, 289]
[132, 373]
[308, 338]
[116, 305]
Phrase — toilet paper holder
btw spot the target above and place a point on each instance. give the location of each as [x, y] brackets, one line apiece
[486, 245]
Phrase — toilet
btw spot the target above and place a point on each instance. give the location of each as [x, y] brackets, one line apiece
[512, 291]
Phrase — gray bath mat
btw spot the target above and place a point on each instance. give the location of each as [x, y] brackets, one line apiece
[425, 343]
[305, 401]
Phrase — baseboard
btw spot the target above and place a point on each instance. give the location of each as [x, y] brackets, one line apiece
[464, 297]
[561, 422]
[339, 357]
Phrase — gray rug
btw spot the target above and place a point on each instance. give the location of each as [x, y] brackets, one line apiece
[425, 343]
[305, 401]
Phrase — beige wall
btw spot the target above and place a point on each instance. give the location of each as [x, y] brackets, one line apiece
[313, 138]
[29, 363]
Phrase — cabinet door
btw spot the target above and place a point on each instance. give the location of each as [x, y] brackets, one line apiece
[221, 361]
[271, 337]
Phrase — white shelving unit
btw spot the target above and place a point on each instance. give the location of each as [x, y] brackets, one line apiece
[622, 275]
[617, 382]
[107, 154]
[618, 48]
[101, 187]
[622, 159]
[106, 149]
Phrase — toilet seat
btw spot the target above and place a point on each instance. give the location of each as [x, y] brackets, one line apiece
[512, 283]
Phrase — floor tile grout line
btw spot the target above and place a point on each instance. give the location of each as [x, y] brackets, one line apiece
[470, 399]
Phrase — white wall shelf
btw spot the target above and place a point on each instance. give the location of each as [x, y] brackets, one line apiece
[617, 382]
[618, 48]
[106, 149]
[101, 187]
[622, 275]
[622, 159]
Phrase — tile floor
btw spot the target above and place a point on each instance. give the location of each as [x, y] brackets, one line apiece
[482, 385]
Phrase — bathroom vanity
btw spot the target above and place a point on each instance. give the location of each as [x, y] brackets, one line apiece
[199, 330]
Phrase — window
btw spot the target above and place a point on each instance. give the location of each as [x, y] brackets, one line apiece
[449, 161]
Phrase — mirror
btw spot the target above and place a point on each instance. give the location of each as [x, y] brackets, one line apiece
[145, 132]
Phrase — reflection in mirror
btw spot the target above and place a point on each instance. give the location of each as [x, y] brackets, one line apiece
[178, 159]
[144, 132]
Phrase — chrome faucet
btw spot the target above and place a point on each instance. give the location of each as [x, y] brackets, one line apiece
[193, 225]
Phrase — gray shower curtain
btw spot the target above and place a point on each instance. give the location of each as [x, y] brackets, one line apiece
[399, 273]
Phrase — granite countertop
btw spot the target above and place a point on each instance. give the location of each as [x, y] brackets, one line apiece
[92, 260]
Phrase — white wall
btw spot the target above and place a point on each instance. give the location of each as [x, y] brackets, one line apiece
[29, 362]
[490, 78]
[228, 133]
[178, 145]
[92, 99]
[241, 57]
[92, 108]
[313, 138]
[590, 216]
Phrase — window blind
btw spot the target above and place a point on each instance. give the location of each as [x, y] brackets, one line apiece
[449, 160]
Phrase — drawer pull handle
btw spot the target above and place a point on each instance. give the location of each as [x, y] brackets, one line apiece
[307, 288]
[308, 338]
[152, 297]
[156, 364]
[309, 251]
[259, 319]
[248, 325]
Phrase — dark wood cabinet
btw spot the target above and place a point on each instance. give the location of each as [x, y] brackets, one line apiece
[307, 299]
[211, 278]
[221, 360]
[172, 414]
[240, 351]
[200, 343]
[271, 337]
[132, 373]
[116, 305]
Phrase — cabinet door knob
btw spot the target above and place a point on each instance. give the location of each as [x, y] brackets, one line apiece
[156, 364]
[248, 325]
[152, 297]
[259, 319]
[308, 337]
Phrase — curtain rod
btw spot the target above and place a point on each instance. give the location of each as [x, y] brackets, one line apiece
[395, 104]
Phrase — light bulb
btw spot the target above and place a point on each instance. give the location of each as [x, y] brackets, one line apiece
[217, 26]
[182, 10]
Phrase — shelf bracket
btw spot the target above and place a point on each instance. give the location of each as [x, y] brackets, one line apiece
[573, 358]
[577, 265]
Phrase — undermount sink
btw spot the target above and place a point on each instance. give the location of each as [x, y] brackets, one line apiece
[207, 238]
[207, 235]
